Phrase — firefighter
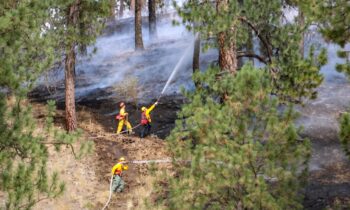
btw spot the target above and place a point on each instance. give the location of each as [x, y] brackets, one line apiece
[123, 119]
[146, 120]
[117, 171]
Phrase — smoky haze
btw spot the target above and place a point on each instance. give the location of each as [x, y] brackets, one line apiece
[116, 61]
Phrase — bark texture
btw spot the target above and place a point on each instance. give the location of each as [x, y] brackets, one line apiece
[226, 42]
[227, 53]
[138, 25]
[72, 20]
[152, 19]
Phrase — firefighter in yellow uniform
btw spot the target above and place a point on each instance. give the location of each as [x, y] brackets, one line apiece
[117, 171]
[146, 120]
[123, 119]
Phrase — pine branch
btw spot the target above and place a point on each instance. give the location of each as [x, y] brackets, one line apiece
[261, 38]
[25, 206]
[251, 55]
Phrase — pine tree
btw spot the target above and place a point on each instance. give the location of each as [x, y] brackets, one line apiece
[226, 38]
[232, 23]
[26, 51]
[138, 25]
[152, 19]
[333, 20]
[243, 153]
[66, 24]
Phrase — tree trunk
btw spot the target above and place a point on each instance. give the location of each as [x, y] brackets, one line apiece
[138, 25]
[301, 21]
[196, 54]
[72, 20]
[152, 21]
[226, 42]
[71, 121]
[121, 9]
[112, 10]
[132, 5]
[227, 53]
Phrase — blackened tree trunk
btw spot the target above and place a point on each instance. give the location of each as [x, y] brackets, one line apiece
[71, 120]
[121, 8]
[196, 54]
[152, 19]
[138, 25]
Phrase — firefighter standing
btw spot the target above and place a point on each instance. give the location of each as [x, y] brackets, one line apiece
[146, 120]
[117, 170]
[123, 119]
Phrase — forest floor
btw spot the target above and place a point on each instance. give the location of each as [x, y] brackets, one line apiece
[87, 179]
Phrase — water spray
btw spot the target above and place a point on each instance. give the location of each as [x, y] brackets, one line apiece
[177, 67]
[170, 79]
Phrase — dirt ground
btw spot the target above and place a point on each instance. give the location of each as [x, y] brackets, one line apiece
[87, 179]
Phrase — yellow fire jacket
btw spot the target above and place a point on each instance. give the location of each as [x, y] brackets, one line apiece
[122, 112]
[148, 111]
[119, 168]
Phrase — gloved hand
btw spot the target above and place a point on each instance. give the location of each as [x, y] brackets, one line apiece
[156, 103]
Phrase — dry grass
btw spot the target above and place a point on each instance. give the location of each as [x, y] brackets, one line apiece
[83, 190]
[143, 192]
[86, 186]
[87, 121]
[127, 90]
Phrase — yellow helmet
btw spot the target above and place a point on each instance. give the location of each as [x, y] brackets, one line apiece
[143, 109]
[121, 159]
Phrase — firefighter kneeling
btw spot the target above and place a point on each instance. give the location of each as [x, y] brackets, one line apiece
[117, 170]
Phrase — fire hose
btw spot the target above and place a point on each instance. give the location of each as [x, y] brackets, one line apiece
[134, 162]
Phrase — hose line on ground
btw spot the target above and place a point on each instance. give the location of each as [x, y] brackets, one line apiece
[110, 193]
[135, 162]
[131, 129]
